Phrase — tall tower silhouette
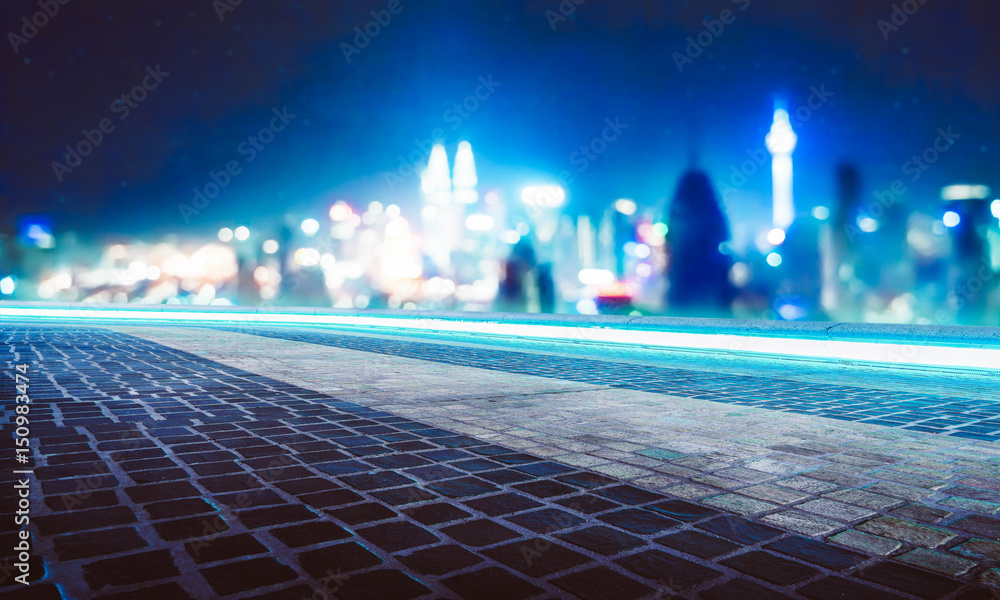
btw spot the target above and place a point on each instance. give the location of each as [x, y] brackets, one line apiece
[699, 271]
[781, 141]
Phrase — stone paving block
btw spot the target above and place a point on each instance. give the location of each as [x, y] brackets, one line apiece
[278, 515]
[854, 461]
[991, 578]
[294, 592]
[440, 560]
[97, 518]
[331, 498]
[343, 558]
[656, 482]
[162, 491]
[308, 485]
[809, 485]
[433, 514]
[79, 485]
[481, 532]
[223, 547]
[979, 549]
[600, 583]
[691, 491]
[742, 589]
[393, 537]
[974, 494]
[491, 583]
[95, 499]
[770, 567]
[671, 572]
[877, 502]
[910, 580]
[375, 481]
[976, 506]
[741, 505]
[743, 474]
[253, 498]
[587, 503]
[988, 527]
[586, 480]
[536, 557]
[404, 495]
[683, 511]
[131, 569]
[981, 482]
[246, 575]
[602, 540]
[383, 583]
[546, 521]
[800, 450]
[308, 534]
[838, 588]
[898, 529]
[643, 522]
[464, 487]
[502, 504]
[817, 553]
[834, 477]
[865, 542]
[938, 562]
[217, 468]
[910, 480]
[900, 491]
[545, 489]
[739, 530]
[698, 544]
[660, 453]
[108, 541]
[366, 512]
[773, 493]
[191, 527]
[506, 476]
[836, 510]
[719, 482]
[924, 514]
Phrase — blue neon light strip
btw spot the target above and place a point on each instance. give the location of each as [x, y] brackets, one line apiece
[924, 353]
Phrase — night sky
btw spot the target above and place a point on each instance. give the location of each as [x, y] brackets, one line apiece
[607, 60]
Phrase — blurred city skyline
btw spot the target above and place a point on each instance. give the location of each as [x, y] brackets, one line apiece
[562, 70]
[782, 160]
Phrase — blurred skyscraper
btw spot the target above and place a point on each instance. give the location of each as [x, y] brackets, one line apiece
[781, 142]
[698, 271]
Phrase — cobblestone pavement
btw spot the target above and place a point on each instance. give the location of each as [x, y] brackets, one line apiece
[190, 463]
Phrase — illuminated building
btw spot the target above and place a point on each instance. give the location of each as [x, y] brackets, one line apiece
[446, 195]
[968, 217]
[465, 175]
[781, 143]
